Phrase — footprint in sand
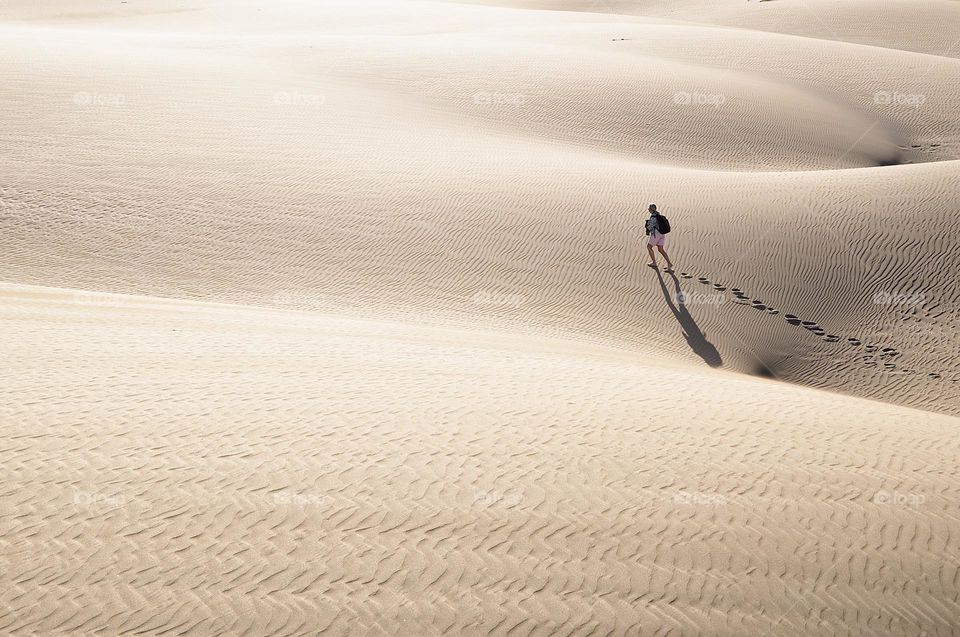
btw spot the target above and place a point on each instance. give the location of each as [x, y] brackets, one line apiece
[686, 276]
[813, 327]
[925, 147]
[873, 351]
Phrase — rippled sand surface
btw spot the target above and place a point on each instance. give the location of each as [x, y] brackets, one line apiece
[334, 319]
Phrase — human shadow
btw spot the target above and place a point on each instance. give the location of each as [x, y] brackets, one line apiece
[691, 331]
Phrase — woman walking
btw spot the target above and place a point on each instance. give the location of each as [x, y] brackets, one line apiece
[657, 226]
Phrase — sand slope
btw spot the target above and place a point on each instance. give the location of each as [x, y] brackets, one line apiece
[332, 318]
[264, 472]
[297, 176]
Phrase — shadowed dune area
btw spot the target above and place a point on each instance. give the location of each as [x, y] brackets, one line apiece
[335, 319]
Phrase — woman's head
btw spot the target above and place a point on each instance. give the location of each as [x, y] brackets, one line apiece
[652, 208]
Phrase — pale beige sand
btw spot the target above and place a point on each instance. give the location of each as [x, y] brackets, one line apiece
[213, 470]
[411, 375]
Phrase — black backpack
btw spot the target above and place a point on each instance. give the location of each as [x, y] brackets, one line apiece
[663, 225]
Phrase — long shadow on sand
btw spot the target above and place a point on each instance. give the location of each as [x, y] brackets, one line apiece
[691, 331]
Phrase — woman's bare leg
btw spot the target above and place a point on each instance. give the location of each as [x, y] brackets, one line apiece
[664, 253]
[653, 258]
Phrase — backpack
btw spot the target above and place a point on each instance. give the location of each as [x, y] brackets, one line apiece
[663, 225]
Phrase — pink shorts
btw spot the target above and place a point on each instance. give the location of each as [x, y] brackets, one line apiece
[656, 239]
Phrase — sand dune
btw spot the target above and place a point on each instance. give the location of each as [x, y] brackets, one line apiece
[333, 318]
[896, 24]
[266, 472]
